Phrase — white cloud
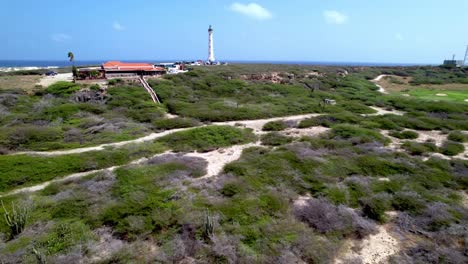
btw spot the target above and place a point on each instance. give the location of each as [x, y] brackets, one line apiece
[117, 26]
[335, 17]
[60, 37]
[252, 10]
[399, 36]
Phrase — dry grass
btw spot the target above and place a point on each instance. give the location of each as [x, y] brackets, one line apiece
[391, 86]
[24, 82]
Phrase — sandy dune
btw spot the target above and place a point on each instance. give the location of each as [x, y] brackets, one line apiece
[48, 80]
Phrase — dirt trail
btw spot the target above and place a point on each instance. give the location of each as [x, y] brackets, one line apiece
[43, 185]
[149, 137]
[216, 159]
[378, 78]
[256, 125]
[219, 158]
[382, 111]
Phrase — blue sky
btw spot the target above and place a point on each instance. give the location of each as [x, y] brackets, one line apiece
[403, 31]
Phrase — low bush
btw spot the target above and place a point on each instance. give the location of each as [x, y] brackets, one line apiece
[357, 135]
[375, 207]
[275, 126]
[275, 139]
[407, 134]
[451, 148]
[63, 236]
[21, 170]
[62, 88]
[416, 148]
[172, 123]
[408, 201]
[207, 138]
[458, 136]
[329, 219]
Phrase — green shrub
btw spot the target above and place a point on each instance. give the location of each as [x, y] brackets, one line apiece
[408, 201]
[28, 135]
[275, 126]
[95, 87]
[178, 122]
[64, 236]
[457, 136]
[20, 170]
[407, 134]
[207, 138]
[309, 122]
[375, 207]
[143, 204]
[232, 188]
[275, 139]
[62, 88]
[415, 148]
[450, 148]
[357, 134]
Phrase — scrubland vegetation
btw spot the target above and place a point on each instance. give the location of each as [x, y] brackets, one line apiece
[288, 200]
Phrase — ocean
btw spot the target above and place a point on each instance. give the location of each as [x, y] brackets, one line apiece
[14, 65]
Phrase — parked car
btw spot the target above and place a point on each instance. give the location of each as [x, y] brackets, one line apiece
[51, 73]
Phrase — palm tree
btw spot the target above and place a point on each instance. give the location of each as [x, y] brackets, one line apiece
[71, 57]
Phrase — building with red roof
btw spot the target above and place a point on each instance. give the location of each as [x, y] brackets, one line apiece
[117, 69]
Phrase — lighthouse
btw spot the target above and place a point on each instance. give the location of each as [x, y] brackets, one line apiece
[211, 57]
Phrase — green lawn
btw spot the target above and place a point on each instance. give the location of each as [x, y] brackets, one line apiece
[431, 94]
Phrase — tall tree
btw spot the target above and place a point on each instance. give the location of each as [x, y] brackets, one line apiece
[71, 56]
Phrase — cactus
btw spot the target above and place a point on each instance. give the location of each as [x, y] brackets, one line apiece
[40, 257]
[16, 219]
[208, 225]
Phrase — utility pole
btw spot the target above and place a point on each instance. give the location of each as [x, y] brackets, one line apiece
[466, 56]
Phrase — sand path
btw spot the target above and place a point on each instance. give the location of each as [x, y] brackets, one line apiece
[382, 111]
[256, 125]
[216, 159]
[219, 158]
[73, 176]
[378, 78]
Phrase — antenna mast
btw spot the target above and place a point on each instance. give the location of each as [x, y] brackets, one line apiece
[466, 56]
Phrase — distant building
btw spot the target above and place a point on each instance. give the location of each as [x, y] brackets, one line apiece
[116, 69]
[453, 63]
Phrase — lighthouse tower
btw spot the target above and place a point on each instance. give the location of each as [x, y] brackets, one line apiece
[211, 57]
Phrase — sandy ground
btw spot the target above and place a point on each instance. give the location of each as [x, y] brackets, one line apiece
[48, 80]
[219, 158]
[378, 78]
[305, 132]
[382, 111]
[373, 249]
[376, 248]
[434, 136]
[258, 124]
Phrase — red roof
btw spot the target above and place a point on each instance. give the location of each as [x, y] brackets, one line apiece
[117, 65]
